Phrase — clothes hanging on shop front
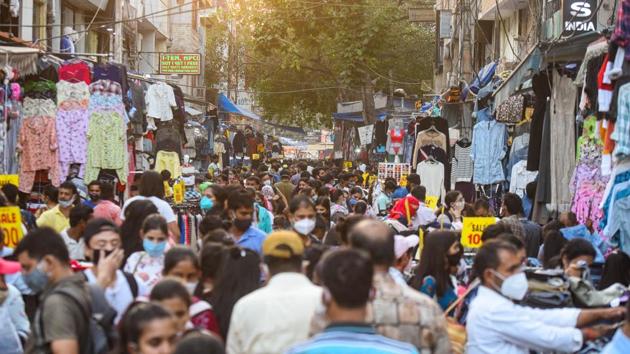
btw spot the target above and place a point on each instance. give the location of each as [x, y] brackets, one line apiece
[159, 99]
[168, 160]
[72, 120]
[489, 146]
[107, 131]
[395, 141]
[75, 71]
[461, 163]
[431, 174]
[13, 126]
[540, 85]
[37, 143]
[521, 177]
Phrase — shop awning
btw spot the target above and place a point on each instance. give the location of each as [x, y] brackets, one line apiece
[24, 59]
[570, 49]
[192, 111]
[357, 116]
[227, 106]
[297, 130]
[524, 71]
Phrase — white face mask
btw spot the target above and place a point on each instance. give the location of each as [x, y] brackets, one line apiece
[191, 286]
[514, 287]
[304, 226]
[267, 182]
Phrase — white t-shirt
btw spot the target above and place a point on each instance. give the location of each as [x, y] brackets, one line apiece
[147, 269]
[162, 206]
[75, 248]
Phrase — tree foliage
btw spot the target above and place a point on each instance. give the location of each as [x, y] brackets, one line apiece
[301, 57]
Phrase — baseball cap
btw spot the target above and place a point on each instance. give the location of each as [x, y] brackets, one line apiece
[283, 244]
[9, 267]
[402, 244]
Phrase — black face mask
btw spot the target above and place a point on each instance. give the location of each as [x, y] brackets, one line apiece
[96, 255]
[242, 225]
[453, 259]
[95, 197]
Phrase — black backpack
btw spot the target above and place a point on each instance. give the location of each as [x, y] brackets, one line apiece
[100, 337]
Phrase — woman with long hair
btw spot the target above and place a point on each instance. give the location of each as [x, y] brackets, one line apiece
[439, 261]
[146, 328]
[183, 264]
[239, 276]
[452, 210]
[135, 214]
[148, 264]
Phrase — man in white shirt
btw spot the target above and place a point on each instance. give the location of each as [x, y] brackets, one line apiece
[277, 316]
[424, 215]
[73, 236]
[497, 325]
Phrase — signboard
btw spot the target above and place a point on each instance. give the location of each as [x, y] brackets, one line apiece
[11, 224]
[431, 201]
[397, 171]
[9, 179]
[180, 64]
[579, 16]
[365, 134]
[473, 228]
[422, 14]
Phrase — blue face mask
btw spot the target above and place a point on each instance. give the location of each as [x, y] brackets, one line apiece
[206, 203]
[154, 249]
[36, 280]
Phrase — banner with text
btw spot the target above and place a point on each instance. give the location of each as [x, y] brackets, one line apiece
[180, 64]
[11, 224]
[473, 228]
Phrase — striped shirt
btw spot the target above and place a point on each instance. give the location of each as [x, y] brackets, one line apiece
[351, 338]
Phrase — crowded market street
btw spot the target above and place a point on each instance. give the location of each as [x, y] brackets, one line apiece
[315, 177]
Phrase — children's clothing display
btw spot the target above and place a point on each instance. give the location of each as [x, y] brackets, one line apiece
[38, 143]
[72, 121]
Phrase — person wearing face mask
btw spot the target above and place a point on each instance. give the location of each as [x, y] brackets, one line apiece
[240, 204]
[46, 269]
[403, 248]
[302, 216]
[58, 218]
[147, 265]
[497, 325]
[182, 263]
[94, 194]
[439, 262]
[103, 247]
[451, 212]
[576, 258]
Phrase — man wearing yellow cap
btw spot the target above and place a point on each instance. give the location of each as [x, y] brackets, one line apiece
[283, 309]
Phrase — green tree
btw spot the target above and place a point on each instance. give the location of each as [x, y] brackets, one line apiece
[303, 56]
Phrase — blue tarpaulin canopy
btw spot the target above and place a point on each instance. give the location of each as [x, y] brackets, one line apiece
[227, 106]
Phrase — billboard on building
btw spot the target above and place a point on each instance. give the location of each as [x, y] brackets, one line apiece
[579, 16]
[180, 64]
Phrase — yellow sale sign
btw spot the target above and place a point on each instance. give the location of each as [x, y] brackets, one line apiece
[6, 179]
[431, 201]
[11, 224]
[473, 228]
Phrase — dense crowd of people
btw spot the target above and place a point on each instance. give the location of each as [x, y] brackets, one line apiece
[303, 258]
